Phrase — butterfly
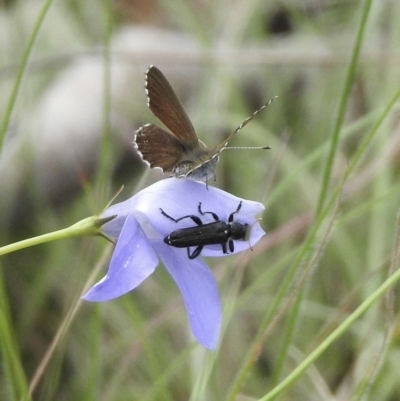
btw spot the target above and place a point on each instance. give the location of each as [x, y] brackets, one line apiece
[177, 151]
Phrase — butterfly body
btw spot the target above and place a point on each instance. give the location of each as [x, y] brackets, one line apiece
[177, 151]
[202, 172]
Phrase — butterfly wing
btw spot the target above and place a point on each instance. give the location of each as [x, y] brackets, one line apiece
[158, 147]
[166, 106]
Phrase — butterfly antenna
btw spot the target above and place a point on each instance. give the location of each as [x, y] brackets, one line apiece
[246, 147]
[243, 124]
[248, 119]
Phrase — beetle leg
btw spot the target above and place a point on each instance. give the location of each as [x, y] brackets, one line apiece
[195, 253]
[216, 218]
[196, 219]
[230, 220]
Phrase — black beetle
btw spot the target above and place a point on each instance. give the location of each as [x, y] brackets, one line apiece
[217, 232]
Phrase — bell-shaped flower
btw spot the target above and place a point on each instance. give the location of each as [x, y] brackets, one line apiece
[141, 228]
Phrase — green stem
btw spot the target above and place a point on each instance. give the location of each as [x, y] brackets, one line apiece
[21, 69]
[351, 72]
[86, 227]
[335, 335]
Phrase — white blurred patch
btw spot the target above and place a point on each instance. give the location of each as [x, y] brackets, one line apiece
[57, 145]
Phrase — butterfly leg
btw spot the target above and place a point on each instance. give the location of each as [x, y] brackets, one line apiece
[215, 180]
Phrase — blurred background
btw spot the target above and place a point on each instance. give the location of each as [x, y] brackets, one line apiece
[330, 185]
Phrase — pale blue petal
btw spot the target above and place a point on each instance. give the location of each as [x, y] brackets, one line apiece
[199, 291]
[132, 262]
[179, 197]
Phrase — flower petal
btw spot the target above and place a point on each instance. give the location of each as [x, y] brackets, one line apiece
[133, 261]
[179, 198]
[199, 291]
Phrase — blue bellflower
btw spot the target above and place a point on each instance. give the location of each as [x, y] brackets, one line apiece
[139, 229]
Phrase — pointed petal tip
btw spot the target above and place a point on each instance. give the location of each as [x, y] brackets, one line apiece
[199, 292]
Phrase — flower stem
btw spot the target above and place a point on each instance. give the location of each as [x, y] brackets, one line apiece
[335, 335]
[83, 228]
[22, 68]
[348, 85]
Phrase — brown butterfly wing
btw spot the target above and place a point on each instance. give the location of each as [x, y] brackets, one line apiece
[166, 106]
[158, 147]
